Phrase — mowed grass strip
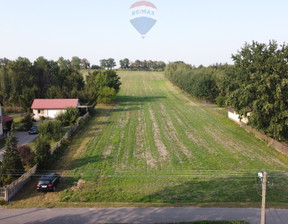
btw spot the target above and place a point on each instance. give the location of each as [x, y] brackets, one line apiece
[158, 146]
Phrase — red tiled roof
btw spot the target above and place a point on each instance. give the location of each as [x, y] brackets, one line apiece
[231, 110]
[6, 118]
[54, 103]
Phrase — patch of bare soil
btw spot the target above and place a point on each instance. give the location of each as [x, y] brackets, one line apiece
[79, 185]
[173, 133]
[141, 151]
[235, 148]
[123, 121]
[194, 136]
[157, 137]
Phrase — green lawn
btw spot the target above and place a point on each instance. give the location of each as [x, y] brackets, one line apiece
[158, 146]
[16, 117]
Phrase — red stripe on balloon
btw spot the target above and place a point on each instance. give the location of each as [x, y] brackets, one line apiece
[143, 3]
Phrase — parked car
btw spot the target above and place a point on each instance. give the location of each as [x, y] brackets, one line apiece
[48, 182]
[33, 130]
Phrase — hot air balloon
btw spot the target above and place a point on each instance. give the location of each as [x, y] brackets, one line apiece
[143, 16]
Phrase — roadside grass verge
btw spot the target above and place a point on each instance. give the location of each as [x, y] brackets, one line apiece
[16, 117]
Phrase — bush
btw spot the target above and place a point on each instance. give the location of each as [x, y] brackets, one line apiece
[26, 122]
[106, 95]
[50, 129]
[27, 155]
[69, 117]
[60, 150]
[220, 100]
[3, 202]
[43, 154]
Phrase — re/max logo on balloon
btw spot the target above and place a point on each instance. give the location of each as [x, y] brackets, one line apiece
[143, 12]
[143, 16]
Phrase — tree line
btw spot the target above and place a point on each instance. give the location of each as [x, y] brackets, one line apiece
[126, 64]
[21, 81]
[142, 65]
[257, 82]
[205, 83]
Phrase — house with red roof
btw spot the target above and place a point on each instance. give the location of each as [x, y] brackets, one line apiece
[50, 108]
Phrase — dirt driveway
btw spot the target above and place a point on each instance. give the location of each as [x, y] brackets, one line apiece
[23, 138]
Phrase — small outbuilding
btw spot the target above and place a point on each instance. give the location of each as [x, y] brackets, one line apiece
[232, 115]
[50, 108]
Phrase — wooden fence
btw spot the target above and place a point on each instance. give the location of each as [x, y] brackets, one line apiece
[7, 192]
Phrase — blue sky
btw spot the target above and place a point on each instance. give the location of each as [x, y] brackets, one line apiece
[195, 31]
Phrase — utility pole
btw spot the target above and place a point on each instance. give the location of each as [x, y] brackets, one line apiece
[264, 182]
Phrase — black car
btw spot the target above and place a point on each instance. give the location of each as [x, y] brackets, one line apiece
[33, 130]
[48, 182]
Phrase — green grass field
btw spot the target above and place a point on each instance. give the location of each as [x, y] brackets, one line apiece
[158, 146]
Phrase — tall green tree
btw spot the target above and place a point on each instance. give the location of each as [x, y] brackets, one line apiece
[85, 64]
[20, 75]
[64, 63]
[5, 84]
[107, 78]
[111, 63]
[26, 121]
[103, 63]
[11, 163]
[4, 61]
[43, 154]
[259, 83]
[125, 63]
[76, 62]
[46, 75]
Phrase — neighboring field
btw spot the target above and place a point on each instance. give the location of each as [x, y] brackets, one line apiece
[158, 146]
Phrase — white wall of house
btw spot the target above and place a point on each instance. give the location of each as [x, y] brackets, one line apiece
[1, 122]
[54, 113]
[51, 113]
[235, 117]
